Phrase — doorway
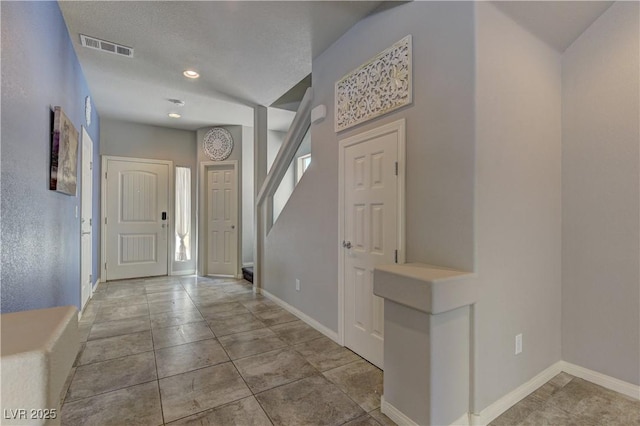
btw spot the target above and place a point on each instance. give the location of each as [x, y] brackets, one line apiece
[136, 225]
[371, 207]
[221, 218]
[86, 221]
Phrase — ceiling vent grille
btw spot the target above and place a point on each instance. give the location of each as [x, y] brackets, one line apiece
[106, 46]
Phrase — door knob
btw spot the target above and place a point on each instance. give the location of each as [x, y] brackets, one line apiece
[346, 244]
[233, 227]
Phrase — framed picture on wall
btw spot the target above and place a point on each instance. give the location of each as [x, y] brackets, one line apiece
[64, 154]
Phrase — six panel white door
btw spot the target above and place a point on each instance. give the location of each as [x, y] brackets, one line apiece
[222, 212]
[370, 191]
[137, 235]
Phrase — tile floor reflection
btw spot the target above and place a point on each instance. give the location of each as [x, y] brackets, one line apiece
[195, 350]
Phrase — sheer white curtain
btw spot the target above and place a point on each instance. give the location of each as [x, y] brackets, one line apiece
[183, 214]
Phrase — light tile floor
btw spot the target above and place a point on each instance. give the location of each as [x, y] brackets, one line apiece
[194, 350]
[566, 400]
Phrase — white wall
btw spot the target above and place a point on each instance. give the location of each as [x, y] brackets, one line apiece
[600, 190]
[518, 205]
[126, 139]
[303, 243]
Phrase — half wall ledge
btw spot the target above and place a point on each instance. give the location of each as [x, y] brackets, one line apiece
[38, 351]
[427, 314]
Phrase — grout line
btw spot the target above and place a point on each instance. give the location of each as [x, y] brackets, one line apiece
[111, 390]
[155, 361]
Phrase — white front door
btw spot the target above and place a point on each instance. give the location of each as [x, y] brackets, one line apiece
[370, 228]
[222, 220]
[137, 221]
[86, 258]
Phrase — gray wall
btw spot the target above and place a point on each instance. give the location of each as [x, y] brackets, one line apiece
[126, 139]
[440, 156]
[275, 140]
[248, 208]
[40, 254]
[600, 179]
[518, 205]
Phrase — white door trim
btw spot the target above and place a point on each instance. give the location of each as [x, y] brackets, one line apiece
[394, 127]
[202, 215]
[103, 210]
[86, 138]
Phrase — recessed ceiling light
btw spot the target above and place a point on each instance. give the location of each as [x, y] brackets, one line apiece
[191, 74]
[174, 115]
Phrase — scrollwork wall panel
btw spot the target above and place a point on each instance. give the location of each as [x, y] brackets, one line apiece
[375, 88]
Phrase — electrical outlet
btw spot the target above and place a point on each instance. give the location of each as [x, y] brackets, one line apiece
[297, 284]
[518, 343]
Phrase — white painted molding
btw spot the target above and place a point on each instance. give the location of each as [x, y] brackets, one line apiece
[603, 380]
[494, 410]
[304, 317]
[490, 413]
[247, 264]
[394, 414]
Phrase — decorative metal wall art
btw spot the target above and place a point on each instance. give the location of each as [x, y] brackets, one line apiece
[375, 88]
[217, 144]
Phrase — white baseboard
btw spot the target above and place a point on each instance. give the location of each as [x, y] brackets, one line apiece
[494, 410]
[304, 317]
[464, 420]
[397, 416]
[490, 413]
[603, 380]
[247, 265]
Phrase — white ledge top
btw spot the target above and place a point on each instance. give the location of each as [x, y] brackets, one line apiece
[424, 272]
[36, 330]
[426, 288]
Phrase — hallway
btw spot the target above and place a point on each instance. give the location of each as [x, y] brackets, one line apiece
[197, 350]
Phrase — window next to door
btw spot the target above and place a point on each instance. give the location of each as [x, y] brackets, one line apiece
[183, 214]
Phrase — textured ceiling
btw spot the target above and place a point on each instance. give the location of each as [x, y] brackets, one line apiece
[247, 53]
[558, 23]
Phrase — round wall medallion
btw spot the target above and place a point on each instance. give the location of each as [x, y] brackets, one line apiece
[218, 144]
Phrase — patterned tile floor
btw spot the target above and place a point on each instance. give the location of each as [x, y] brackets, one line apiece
[194, 350]
[566, 400]
[202, 351]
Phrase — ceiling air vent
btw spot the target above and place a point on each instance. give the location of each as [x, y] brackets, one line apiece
[106, 46]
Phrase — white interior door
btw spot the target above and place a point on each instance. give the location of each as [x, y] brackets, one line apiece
[222, 220]
[86, 238]
[370, 237]
[137, 225]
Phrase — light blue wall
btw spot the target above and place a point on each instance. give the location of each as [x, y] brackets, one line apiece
[40, 234]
